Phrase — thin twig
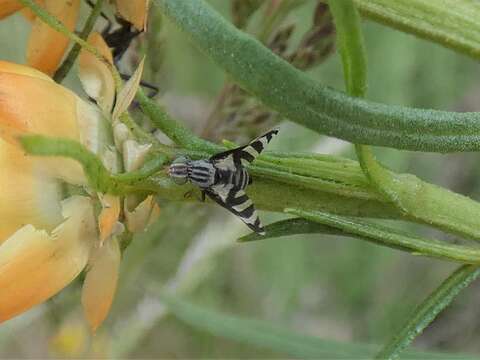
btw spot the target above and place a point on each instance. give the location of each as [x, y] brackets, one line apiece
[67, 64]
[56, 24]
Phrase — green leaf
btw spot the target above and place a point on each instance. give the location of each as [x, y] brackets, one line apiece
[324, 223]
[292, 93]
[451, 23]
[281, 340]
[289, 227]
[351, 46]
[429, 309]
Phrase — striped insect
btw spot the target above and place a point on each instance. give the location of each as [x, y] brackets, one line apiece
[224, 178]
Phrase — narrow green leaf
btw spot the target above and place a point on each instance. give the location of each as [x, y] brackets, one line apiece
[429, 309]
[451, 23]
[291, 227]
[283, 341]
[351, 46]
[291, 92]
[323, 223]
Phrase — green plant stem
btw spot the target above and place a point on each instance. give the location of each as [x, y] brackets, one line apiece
[276, 81]
[136, 130]
[99, 178]
[312, 183]
[179, 134]
[395, 188]
[332, 188]
[297, 97]
[351, 45]
[67, 64]
[435, 303]
[352, 50]
[450, 23]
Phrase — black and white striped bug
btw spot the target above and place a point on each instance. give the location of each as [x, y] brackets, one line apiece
[224, 178]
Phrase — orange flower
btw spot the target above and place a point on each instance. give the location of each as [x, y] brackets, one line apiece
[46, 47]
[134, 11]
[61, 237]
[45, 239]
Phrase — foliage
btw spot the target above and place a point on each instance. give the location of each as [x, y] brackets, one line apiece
[327, 194]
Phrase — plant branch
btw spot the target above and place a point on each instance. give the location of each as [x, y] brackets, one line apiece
[99, 178]
[350, 42]
[177, 132]
[67, 64]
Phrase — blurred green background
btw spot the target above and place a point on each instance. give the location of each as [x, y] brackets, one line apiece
[334, 288]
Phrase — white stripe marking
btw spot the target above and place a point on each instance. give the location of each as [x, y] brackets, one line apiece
[251, 220]
[243, 206]
[251, 151]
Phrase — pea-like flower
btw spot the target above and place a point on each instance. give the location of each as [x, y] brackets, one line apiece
[46, 237]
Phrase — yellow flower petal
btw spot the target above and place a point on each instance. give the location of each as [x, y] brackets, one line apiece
[134, 11]
[108, 216]
[34, 105]
[13, 68]
[101, 282]
[28, 105]
[46, 46]
[8, 7]
[31, 104]
[28, 14]
[96, 77]
[25, 198]
[35, 265]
